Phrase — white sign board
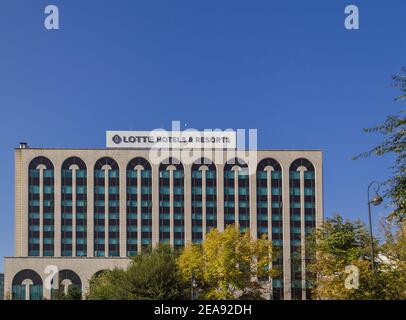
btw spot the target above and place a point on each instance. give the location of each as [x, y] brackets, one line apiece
[161, 139]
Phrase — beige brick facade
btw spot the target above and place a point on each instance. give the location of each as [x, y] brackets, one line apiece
[85, 267]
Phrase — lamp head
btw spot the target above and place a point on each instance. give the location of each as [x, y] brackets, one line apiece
[377, 200]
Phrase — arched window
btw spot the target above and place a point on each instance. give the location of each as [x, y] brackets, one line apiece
[27, 285]
[106, 208]
[269, 215]
[204, 198]
[41, 207]
[302, 222]
[67, 279]
[139, 206]
[74, 208]
[171, 203]
[236, 194]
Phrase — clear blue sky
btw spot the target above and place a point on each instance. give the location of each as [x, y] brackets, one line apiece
[287, 68]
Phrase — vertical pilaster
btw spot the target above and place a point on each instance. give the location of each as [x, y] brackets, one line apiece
[188, 203]
[253, 202]
[123, 211]
[220, 197]
[90, 212]
[287, 285]
[57, 210]
[171, 170]
[21, 214]
[155, 204]
[236, 200]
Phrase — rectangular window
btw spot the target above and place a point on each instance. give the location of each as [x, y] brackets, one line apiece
[132, 190]
[146, 190]
[66, 174]
[98, 228]
[146, 228]
[114, 190]
[294, 175]
[309, 205]
[277, 242]
[196, 190]
[48, 173]
[309, 192]
[229, 175]
[262, 191]
[243, 204]
[276, 217]
[310, 217]
[178, 190]
[197, 174]
[164, 228]
[81, 190]
[229, 191]
[309, 175]
[114, 203]
[80, 228]
[262, 217]
[113, 174]
[211, 204]
[146, 174]
[211, 190]
[295, 205]
[262, 229]
[229, 204]
[295, 230]
[197, 204]
[295, 191]
[276, 204]
[262, 175]
[99, 174]
[81, 203]
[99, 190]
[34, 189]
[243, 191]
[210, 174]
[178, 174]
[132, 174]
[178, 204]
[132, 204]
[81, 174]
[34, 173]
[164, 174]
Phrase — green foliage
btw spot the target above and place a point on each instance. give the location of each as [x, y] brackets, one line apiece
[341, 243]
[227, 265]
[150, 276]
[394, 128]
[74, 293]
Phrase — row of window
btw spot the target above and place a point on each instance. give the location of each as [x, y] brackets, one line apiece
[166, 190]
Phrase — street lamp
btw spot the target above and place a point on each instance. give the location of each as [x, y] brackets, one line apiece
[376, 201]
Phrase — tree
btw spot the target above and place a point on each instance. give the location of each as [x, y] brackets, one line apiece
[393, 261]
[339, 244]
[74, 293]
[228, 265]
[394, 128]
[150, 276]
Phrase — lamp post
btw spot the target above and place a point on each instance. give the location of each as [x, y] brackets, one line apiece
[376, 201]
[192, 286]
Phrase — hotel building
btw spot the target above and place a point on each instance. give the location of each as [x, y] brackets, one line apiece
[84, 211]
